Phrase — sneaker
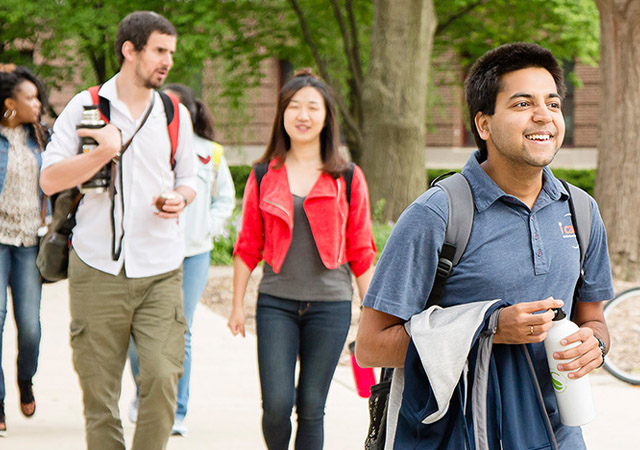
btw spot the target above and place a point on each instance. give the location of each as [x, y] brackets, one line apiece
[133, 410]
[179, 428]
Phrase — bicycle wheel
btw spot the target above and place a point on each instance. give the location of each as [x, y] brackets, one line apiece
[623, 319]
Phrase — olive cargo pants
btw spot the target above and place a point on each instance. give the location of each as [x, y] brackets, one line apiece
[105, 311]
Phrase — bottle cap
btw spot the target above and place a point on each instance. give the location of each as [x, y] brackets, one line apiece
[559, 314]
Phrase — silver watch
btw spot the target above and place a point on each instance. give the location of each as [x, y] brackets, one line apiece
[603, 349]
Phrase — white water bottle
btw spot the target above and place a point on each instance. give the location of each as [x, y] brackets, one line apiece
[575, 400]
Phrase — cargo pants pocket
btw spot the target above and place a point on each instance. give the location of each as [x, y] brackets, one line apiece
[173, 348]
[84, 359]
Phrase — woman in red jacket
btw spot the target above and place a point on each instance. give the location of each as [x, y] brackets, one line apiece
[299, 219]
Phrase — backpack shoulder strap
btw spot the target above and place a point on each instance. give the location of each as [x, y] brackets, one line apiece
[102, 103]
[217, 153]
[348, 178]
[581, 210]
[459, 225]
[259, 171]
[172, 111]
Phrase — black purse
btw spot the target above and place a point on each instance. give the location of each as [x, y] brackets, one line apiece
[378, 404]
[53, 250]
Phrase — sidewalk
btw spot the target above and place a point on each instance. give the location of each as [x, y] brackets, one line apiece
[224, 409]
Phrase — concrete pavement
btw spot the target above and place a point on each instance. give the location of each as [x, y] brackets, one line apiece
[224, 409]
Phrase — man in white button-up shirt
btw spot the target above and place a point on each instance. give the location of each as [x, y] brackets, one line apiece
[139, 293]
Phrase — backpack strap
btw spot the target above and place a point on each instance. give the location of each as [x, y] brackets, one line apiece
[348, 178]
[217, 153]
[259, 171]
[102, 103]
[459, 224]
[581, 210]
[172, 111]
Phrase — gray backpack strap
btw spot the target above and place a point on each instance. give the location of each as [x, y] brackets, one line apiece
[461, 212]
[459, 224]
[581, 210]
[581, 215]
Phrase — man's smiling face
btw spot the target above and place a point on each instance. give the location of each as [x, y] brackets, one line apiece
[527, 126]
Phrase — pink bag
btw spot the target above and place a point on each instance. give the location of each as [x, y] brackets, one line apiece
[364, 377]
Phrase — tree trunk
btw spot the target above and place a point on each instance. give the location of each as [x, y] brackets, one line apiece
[617, 186]
[394, 102]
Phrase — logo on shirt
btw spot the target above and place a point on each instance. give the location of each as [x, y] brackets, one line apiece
[567, 231]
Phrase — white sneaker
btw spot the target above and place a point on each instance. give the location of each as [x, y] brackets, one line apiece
[179, 428]
[133, 410]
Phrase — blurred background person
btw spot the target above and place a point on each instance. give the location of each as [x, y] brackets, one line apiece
[22, 212]
[203, 220]
[312, 236]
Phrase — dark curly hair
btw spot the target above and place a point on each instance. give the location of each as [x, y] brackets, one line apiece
[485, 78]
[333, 162]
[11, 77]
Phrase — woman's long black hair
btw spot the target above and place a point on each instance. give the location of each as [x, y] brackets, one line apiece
[201, 117]
[333, 162]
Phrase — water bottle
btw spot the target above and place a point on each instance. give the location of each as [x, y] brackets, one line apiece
[100, 180]
[574, 397]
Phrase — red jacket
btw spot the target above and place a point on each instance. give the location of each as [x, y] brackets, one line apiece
[342, 232]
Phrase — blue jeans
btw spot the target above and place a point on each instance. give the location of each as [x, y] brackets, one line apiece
[195, 271]
[18, 270]
[315, 332]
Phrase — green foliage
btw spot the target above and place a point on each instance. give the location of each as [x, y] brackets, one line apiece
[381, 232]
[240, 174]
[236, 36]
[432, 174]
[222, 253]
[378, 210]
[584, 179]
[570, 28]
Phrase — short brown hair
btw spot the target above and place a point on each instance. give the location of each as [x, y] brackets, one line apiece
[137, 27]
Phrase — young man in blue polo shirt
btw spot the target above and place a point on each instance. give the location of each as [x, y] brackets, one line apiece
[520, 249]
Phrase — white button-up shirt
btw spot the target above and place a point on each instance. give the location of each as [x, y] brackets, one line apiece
[151, 245]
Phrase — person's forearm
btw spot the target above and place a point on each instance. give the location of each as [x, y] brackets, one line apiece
[380, 344]
[363, 282]
[187, 193]
[72, 171]
[241, 275]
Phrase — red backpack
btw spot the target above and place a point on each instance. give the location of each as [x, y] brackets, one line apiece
[171, 110]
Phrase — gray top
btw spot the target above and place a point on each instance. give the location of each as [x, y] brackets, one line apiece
[303, 276]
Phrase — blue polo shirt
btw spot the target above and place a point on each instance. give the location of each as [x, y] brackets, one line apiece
[514, 253]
